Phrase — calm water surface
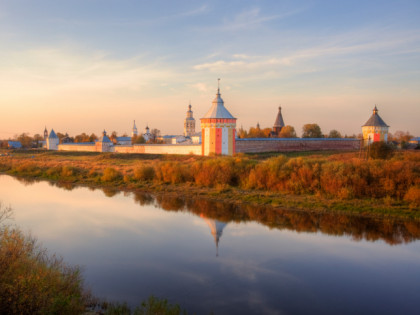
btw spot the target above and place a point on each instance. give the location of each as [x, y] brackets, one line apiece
[209, 256]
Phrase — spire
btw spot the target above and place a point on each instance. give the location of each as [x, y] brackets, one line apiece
[218, 110]
[279, 123]
[375, 119]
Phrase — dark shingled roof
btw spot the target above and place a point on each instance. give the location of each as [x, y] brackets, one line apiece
[375, 120]
[279, 120]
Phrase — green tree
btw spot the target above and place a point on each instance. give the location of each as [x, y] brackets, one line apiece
[334, 134]
[25, 140]
[311, 131]
[137, 139]
[92, 138]
[287, 132]
[83, 137]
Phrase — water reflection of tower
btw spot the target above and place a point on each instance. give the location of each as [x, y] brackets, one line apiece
[216, 228]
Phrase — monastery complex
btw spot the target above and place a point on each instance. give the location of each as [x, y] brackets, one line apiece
[218, 137]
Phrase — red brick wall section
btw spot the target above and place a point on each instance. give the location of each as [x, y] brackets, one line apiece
[281, 145]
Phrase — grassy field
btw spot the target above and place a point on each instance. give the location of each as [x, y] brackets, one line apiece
[315, 181]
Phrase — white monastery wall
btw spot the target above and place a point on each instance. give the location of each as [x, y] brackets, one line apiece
[159, 149]
[77, 147]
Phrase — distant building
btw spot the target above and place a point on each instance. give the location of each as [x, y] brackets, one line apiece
[123, 140]
[147, 135]
[180, 139]
[278, 124]
[52, 141]
[134, 132]
[14, 144]
[218, 129]
[45, 133]
[196, 138]
[375, 129]
[104, 144]
[415, 140]
[66, 139]
[189, 123]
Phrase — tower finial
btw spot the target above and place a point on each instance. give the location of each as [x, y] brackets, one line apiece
[218, 86]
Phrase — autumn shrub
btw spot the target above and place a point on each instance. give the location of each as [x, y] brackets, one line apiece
[413, 197]
[269, 174]
[32, 282]
[68, 171]
[172, 172]
[54, 172]
[111, 174]
[304, 175]
[212, 172]
[144, 172]
[381, 150]
[27, 168]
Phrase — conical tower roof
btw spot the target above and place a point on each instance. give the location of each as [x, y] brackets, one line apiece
[279, 120]
[375, 120]
[104, 138]
[216, 229]
[218, 109]
[52, 135]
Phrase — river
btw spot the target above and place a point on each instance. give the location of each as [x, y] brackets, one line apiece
[222, 258]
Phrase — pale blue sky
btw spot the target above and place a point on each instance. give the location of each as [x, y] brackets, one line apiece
[82, 66]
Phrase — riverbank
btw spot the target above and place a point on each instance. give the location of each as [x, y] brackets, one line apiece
[337, 182]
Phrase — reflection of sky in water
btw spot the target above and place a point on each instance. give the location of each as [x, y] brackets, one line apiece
[130, 251]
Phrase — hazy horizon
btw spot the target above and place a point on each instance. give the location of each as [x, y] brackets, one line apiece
[85, 66]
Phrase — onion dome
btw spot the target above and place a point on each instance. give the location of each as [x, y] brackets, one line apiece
[375, 120]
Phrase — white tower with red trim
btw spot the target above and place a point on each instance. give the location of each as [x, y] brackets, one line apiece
[218, 129]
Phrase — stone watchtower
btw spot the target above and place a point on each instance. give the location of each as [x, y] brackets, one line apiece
[189, 123]
[104, 144]
[218, 129]
[375, 129]
[52, 141]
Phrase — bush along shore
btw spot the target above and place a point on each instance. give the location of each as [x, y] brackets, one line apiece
[317, 182]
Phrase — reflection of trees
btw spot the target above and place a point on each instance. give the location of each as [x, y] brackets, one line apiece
[143, 199]
[65, 185]
[359, 228]
[170, 203]
[110, 192]
[26, 181]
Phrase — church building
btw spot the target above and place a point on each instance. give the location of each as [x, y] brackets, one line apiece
[278, 124]
[189, 123]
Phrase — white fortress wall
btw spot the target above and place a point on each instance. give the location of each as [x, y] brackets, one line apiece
[77, 147]
[160, 149]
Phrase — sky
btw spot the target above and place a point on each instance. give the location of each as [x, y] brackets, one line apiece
[89, 65]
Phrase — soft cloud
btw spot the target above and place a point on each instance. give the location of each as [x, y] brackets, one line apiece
[45, 71]
[252, 18]
[202, 87]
